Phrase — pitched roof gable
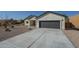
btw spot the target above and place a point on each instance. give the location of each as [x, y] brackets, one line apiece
[47, 12]
[29, 17]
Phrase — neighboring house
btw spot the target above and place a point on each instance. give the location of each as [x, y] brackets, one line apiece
[47, 20]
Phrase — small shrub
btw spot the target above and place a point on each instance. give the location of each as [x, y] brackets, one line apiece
[12, 26]
[7, 29]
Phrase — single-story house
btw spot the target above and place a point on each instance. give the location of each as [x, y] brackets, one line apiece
[46, 20]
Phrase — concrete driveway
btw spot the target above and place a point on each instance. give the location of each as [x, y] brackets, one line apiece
[38, 38]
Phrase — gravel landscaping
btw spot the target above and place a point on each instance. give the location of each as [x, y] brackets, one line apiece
[15, 31]
[73, 35]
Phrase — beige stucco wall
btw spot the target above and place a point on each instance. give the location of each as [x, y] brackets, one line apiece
[29, 21]
[74, 20]
[27, 24]
[51, 16]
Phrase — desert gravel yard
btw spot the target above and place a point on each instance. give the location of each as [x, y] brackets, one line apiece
[38, 38]
[73, 35]
[15, 31]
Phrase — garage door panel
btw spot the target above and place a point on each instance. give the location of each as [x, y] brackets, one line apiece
[49, 24]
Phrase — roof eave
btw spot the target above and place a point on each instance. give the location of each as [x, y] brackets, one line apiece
[53, 13]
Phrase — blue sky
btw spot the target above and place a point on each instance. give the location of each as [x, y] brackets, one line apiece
[23, 14]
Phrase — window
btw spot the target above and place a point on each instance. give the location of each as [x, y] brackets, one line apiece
[27, 22]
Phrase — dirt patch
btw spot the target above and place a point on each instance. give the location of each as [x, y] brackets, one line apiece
[73, 35]
[15, 31]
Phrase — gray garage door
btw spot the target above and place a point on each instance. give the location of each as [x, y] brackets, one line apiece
[49, 24]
